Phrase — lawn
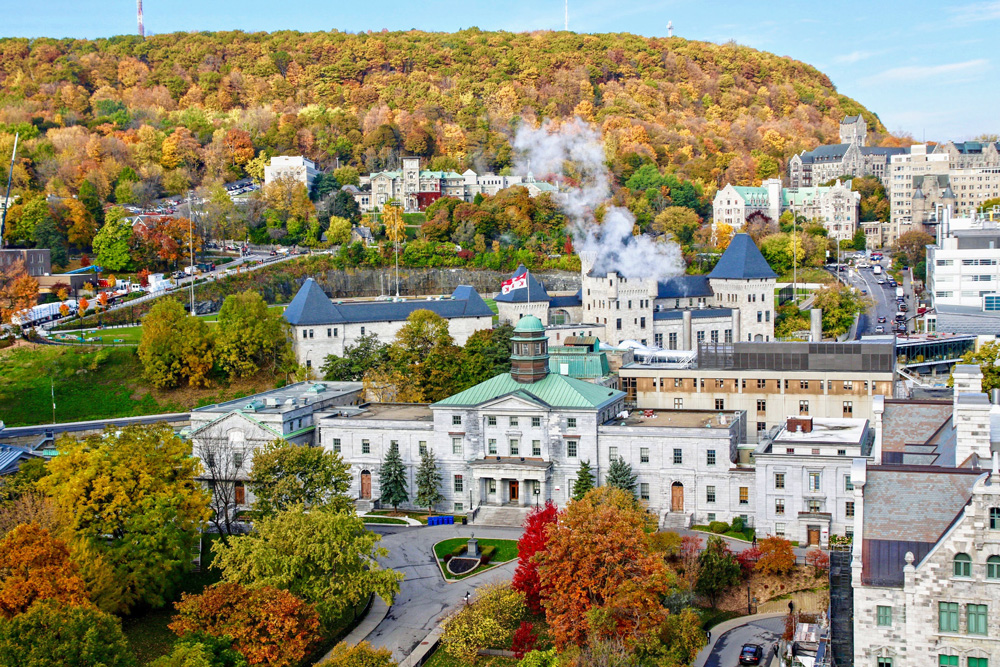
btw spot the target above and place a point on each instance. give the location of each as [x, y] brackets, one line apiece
[383, 519]
[746, 535]
[493, 305]
[441, 659]
[506, 550]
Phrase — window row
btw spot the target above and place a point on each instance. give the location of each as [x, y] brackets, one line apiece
[962, 566]
[744, 494]
[976, 616]
[491, 420]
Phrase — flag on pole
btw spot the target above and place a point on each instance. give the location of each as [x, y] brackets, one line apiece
[517, 282]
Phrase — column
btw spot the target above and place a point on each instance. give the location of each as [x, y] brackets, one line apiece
[522, 491]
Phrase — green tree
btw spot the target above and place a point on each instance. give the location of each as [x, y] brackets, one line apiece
[987, 358]
[53, 634]
[620, 475]
[329, 559]
[428, 482]
[344, 206]
[198, 649]
[584, 481]
[367, 352]
[860, 241]
[362, 654]
[47, 236]
[911, 247]
[112, 242]
[339, 231]
[130, 493]
[285, 475]
[249, 335]
[89, 197]
[678, 221]
[840, 305]
[718, 570]
[392, 478]
[347, 176]
[486, 354]
[174, 347]
[33, 213]
[323, 185]
[425, 352]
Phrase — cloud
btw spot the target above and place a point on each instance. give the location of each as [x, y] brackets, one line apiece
[975, 12]
[923, 73]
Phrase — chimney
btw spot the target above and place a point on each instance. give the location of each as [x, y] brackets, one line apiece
[816, 325]
[799, 424]
[686, 331]
[737, 334]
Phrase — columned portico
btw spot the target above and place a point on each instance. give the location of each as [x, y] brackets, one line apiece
[510, 481]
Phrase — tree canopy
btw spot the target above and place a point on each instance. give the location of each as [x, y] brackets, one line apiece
[285, 475]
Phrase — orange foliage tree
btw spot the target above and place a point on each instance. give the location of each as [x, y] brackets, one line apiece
[776, 556]
[36, 566]
[17, 290]
[598, 576]
[267, 625]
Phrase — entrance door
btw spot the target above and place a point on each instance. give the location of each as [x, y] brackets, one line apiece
[677, 497]
[813, 535]
[366, 485]
[514, 491]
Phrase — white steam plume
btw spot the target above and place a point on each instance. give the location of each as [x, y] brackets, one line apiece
[575, 153]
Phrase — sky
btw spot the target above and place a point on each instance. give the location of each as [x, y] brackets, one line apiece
[924, 67]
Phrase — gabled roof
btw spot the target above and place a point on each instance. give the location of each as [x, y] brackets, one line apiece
[535, 290]
[742, 261]
[557, 391]
[570, 301]
[683, 287]
[826, 152]
[850, 119]
[312, 306]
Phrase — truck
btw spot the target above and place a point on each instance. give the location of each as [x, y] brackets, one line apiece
[877, 269]
[43, 313]
[899, 291]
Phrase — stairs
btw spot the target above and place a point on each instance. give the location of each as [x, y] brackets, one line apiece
[675, 521]
[490, 515]
[841, 608]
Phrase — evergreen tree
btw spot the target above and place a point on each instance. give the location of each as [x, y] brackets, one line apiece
[584, 481]
[718, 570]
[392, 478]
[428, 482]
[620, 475]
[48, 236]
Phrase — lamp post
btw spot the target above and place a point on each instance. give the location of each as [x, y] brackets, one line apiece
[538, 492]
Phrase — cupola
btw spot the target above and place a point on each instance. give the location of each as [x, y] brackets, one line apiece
[529, 359]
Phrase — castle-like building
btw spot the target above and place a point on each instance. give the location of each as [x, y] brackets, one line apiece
[851, 157]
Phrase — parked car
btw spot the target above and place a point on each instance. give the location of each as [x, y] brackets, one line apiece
[751, 654]
[880, 329]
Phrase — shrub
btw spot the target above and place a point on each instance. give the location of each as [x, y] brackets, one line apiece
[489, 622]
[459, 551]
[819, 560]
[748, 559]
[719, 527]
[738, 524]
[487, 555]
[524, 641]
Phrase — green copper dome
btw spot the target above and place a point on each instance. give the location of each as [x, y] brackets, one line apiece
[529, 324]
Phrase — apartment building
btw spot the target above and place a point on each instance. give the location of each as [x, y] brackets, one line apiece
[296, 167]
[963, 266]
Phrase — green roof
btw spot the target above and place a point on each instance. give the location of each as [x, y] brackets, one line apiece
[529, 324]
[580, 362]
[557, 391]
[750, 190]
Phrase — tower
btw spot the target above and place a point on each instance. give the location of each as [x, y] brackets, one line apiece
[529, 361]
[142, 31]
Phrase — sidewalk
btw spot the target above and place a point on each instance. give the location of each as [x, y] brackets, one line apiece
[722, 628]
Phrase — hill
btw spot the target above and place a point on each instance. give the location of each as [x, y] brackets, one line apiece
[166, 106]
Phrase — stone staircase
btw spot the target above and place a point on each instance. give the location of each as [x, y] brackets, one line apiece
[841, 608]
[491, 515]
[675, 521]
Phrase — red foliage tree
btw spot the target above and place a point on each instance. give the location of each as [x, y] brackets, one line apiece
[144, 278]
[747, 559]
[268, 626]
[819, 560]
[524, 640]
[568, 246]
[84, 260]
[533, 541]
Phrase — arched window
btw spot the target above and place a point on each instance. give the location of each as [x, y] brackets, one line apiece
[962, 565]
[993, 567]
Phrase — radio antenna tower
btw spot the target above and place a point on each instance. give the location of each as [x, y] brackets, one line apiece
[142, 31]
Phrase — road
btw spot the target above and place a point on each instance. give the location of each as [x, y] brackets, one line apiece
[424, 598]
[883, 299]
[766, 632]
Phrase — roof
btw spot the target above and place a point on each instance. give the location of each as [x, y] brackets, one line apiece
[698, 313]
[850, 119]
[285, 398]
[529, 324]
[312, 306]
[11, 457]
[826, 153]
[553, 390]
[683, 287]
[908, 509]
[579, 362]
[742, 261]
[913, 422]
[570, 301]
[535, 290]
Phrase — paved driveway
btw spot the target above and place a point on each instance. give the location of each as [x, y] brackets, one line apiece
[424, 598]
[766, 632]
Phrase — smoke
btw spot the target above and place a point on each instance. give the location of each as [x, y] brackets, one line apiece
[574, 153]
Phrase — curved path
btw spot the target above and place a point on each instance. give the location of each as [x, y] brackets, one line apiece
[424, 598]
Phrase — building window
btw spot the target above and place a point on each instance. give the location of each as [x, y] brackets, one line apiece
[240, 493]
[491, 420]
[571, 448]
[619, 322]
[644, 491]
[644, 455]
[884, 662]
[678, 404]
[536, 422]
[979, 662]
[456, 446]
[514, 447]
[678, 457]
[761, 406]
[848, 484]
[710, 457]
[715, 336]
[848, 408]
[962, 565]
[491, 486]
[995, 518]
[536, 447]
[803, 384]
[642, 322]
[744, 495]
[612, 453]
[571, 422]
[513, 421]
[883, 615]
[491, 446]
[849, 509]
[779, 529]
[815, 480]
[947, 661]
[456, 420]
[993, 567]
[948, 616]
[814, 506]
[720, 404]
[458, 484]
[422, 447]
[336, 445]
[700, 336]
[779, 505]
[976, 619]
[366, 447]
[709, 494]
[779, 480]
[672, 338]
[362, 331]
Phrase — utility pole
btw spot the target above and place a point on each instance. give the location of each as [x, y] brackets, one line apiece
[191, 248]
[795, 283]
[6, 201]
[142, 31]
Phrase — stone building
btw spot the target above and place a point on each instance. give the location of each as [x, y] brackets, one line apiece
[733, 204]
[851, 157]
[295, 167]
[37, 262]
[321, 327]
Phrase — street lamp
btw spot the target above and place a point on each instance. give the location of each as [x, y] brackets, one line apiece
[538, 492]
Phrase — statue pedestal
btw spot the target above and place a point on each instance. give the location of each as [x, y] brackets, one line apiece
[472, 550]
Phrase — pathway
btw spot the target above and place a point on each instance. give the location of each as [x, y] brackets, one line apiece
[723, 649]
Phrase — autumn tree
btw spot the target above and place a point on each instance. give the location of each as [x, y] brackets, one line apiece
[425, 352]
[174, 347]
[682, 637]
[50, 633]
[911, 247]
[818, 560]
[267, 625]
[428, 482]
[18, 290]
[488, 622]
[130, 493]
[718, 570]
[361, 654]
[597, 558]
[584, 481]
[249, 335]
[532, 541]
[329, 559]
[36, 566]
[392, 478]
[366, 352]
[776, 556]
[384, 384]
[284, 475]
[395, 227]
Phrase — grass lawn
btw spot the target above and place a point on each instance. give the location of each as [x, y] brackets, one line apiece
[712, 617]
[809, 274]
[493, 305]
[383, 519]
[506, 550]
[441, 659]
[747, 533]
